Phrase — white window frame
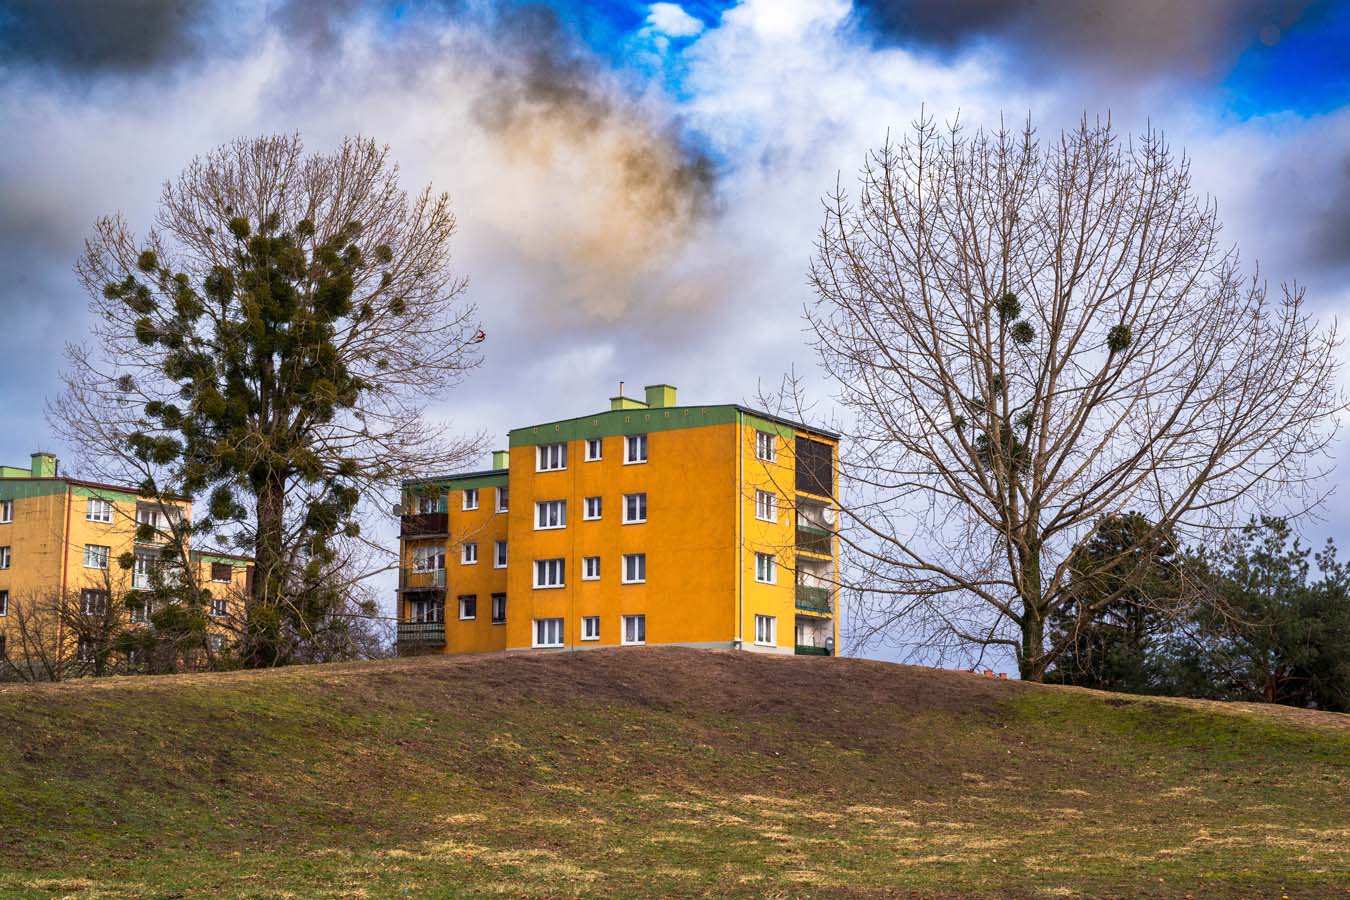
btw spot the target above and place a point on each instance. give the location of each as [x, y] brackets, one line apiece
[426, 505]
[592, 503]
[496, 620]
[6, 557]
[550, 457]
[100, 559]
[640, 635]
[587, 564]
[220, 607]
[766, 445]
[766, 562]
[643, 501]
[503, 499]
[631, 443]
[547, 568]
[6, 512]
[590, 628]
[766, 631]
[96, 509]
[558, 506]
[766, 506]
[225, 580]
[428, 557]
[460, 604]
[100, 605]
[539, 628]
[595, 449]
[470, 500]
[468, 553]
[142, 570]
[4, 603]
[499, 557]
[639, 561]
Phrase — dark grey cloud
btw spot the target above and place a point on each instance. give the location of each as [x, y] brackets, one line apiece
[84, 37]
[1139, 38]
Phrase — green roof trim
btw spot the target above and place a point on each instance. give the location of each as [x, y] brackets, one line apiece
[639, 421]
[456, 482]
[15, 472]
[239, 562]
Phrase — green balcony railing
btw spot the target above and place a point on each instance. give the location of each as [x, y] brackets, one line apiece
[814, 599]
[806, 650]
[421, 632]
[814, 540]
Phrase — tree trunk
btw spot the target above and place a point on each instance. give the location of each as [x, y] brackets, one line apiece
[264, 612]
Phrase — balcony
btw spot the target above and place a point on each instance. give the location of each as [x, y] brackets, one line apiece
[412, 525]
[422, 633]
[813, 539]
[424, 580]
[808, 650]
[815, 599]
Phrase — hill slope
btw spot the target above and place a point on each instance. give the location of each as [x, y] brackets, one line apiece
[654, 772]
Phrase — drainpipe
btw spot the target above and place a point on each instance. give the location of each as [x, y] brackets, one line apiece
[739, 641]
[65, 566]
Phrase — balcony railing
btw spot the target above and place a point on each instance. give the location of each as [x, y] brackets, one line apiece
[421, 632]
[808, 650]
[814, 540]
[814, 599]
[413, 580]
[423, 524]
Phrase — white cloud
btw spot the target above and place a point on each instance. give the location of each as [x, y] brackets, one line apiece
[670, 19]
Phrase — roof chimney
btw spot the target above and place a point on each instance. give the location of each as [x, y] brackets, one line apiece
[622, 402]
[660, 395]
[44, 464]
[501, 459]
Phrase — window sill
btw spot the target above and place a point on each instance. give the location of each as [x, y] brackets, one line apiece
[635, 462]
[760, 518]
[549, 587]
[468, 618]
[549, 527]
[590, 577]
[625, 581]
[635, 522]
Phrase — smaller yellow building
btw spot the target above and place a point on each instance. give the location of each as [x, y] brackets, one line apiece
[62, 541]
[647, 523]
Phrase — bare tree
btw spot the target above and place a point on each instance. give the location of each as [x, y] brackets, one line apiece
[1027, 337]
[270, 347]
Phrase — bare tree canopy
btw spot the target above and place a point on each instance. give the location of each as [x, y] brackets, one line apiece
[1030, 336]
[271, 346]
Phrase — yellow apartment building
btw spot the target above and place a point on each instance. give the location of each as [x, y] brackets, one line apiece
[648, 523]
[64, 537]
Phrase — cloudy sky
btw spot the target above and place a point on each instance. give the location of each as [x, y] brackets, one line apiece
[638, 184]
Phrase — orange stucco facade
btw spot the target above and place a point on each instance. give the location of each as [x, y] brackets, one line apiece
[685, 565]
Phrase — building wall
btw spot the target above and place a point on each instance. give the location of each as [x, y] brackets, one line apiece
[689, 538]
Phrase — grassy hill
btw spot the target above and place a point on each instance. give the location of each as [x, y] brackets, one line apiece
[659, 773]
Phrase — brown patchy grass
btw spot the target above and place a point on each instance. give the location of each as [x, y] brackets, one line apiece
[659, 773]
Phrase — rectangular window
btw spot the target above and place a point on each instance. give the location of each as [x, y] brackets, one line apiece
[766, 446]
[766, 506]
[766, 631]
[498, 609]
[594, 449]
[468, 606]
[635, 449]
[142, 570]
[221, 572]
[766, 568]
[550, 514]
[503, 499]
[4, 557]
[634, 508]
[97, 510]
[4, 603]
[142, 611]
[219, 607]
[85, 650]
[6, 511]
[634, 568]
[428, 558]
[592, 510]
[468, 554]
[95, 602]
[95, 557]
[590, 628]
[470, 498]
[549, 573]
[590, 568]
[815, 467]
[635, 629]
[428, 505]
[548, 632]
[499, 555]
[426, 611]
[551, 457]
